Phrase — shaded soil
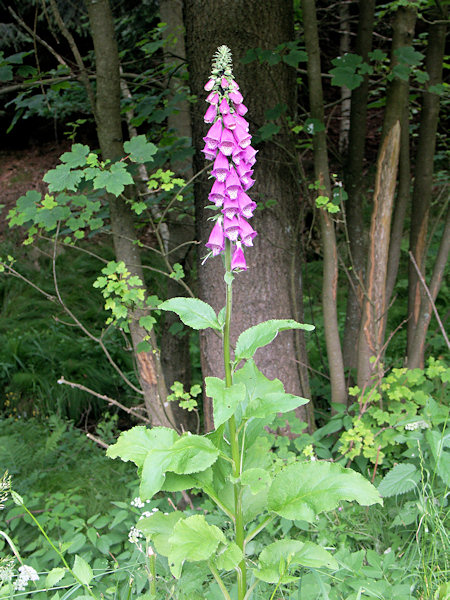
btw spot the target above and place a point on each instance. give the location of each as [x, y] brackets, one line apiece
[23, 170]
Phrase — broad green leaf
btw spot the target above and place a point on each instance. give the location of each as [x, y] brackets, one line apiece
[54, 576]
[437, 442]
[257, 479]
[270, 404]
[229, 558]
[346, 77]
[82, 570]
[294, 57]
[193, 312]
[159, 527]
[409, 56]
[225, 399]
[262, 334]
[291, 553]
[62, 178]
[137, 442]
[114, 180]
[400, 479]
[139, 149]
[191, 454]
[178, 483]
[76, 157]
[153, 472]
[26, 208]
[193, 540]
[303, 490]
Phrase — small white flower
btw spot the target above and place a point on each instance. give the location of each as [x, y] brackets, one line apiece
[137, 502]
[26, 574]
[134, 535]
[146, 513]
[155, 510]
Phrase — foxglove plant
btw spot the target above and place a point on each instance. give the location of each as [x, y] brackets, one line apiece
[234, 465]
[227, 143]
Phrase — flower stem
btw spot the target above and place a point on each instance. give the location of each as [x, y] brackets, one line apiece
[234, 438]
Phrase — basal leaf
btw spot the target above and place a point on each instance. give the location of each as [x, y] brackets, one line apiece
[153, 472]
[139, 149]
[225, 399]
[303, 490]
[400, 479]
[262, 334]
[137, 442]
[193, 539]
[193, 312]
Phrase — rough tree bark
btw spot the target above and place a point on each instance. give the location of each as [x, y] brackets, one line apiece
[322, 175]
[263, 291]
[109, 131]
[423, 181]
[354, 175]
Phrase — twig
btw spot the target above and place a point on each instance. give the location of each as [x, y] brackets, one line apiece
[22, 23]
[79, 386]
[97, 440]
[430, 298]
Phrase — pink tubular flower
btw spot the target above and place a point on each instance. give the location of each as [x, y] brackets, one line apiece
[227, 142]
[224, 107]
[209, 85]
[232, 183]
[242, 137]
[238, 259]
[217, 194]
[216, 241]
[241, 109]
[246, 205]
[231, 228]
[209, 154]
[230, 207]
[214, 134]
[236, 97]
[221, 167]
[210, 114]
[213, 98]
[246, 232]
[229, 121]
[224, 83]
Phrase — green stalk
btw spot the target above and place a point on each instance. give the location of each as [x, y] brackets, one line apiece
[234, 440]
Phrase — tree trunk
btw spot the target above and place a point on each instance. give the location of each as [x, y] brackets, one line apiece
[109, 131]
[330, 263]
[262, 292]
[353, 185]
[423, 180]
[175, 356]
[371, 332]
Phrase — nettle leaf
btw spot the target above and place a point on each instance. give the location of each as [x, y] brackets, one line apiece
[257, 479]
[82, 570]
[262, 334]
[400, 479]
[193, 312]
[139, 149]
[291, 553]
[303, 490]
[137, 442]
[193, 540]
[229, 558]
[114, 180]
[62, 178]
[225, 399]
[76, 157]
[54, 576]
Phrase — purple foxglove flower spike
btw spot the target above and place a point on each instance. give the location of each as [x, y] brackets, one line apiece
[228, 144]
[216, 241]
[238, 259]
